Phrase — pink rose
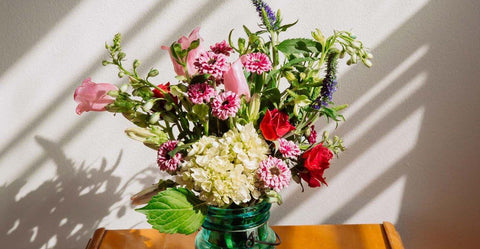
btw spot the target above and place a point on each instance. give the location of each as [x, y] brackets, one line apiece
[235, 80]
[192, 55]
[91, 96]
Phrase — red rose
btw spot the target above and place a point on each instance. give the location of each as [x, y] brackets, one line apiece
[165, 87]
[275, 125]
[317, 160]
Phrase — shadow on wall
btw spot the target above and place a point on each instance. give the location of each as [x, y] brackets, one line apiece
[440, 206]
[128, 35]
[62, 212]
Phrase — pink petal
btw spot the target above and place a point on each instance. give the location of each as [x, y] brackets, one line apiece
[235, 80]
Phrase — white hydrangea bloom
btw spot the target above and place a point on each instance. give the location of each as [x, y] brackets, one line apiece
[223, 170]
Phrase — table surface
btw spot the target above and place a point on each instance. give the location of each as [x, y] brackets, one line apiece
[363, 236]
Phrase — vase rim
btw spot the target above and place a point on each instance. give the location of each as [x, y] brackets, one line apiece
[250, 208]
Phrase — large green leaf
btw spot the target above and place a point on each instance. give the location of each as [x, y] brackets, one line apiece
[299, 46]
[175, 210]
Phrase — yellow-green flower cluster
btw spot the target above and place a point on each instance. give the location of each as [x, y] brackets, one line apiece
[223, 169]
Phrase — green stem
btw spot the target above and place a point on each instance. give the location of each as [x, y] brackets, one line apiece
[206, 125]
[169, 130]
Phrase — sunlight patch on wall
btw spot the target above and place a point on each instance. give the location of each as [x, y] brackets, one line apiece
[402, 10]
[384, 109]
[387, 152]
[390, 199]
[383, 84]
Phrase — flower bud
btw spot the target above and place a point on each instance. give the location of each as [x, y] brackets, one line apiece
[356, 44]
[132, 80]
[139, 134]
[290, 76]
[325, 135]
[105, 62]
[120, 74]
[121, 55]
[369, 55]
[136, 63]
[317, 35]
[154, 118]
[168, 107]
[124, 88]
[113, 93]
[254, 108]
[367, 63]
[303, 76]
[148, 105]
[335, 139]
[354, 58]
[350, 50]
[153, 72]
[308, 132]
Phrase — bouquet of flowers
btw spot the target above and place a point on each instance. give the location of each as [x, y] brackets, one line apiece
[237, 126]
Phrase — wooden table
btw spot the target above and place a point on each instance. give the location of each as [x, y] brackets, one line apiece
[365, 236]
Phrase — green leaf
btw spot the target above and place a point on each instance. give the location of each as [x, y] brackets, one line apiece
[241, 44]
[299, 46]
[144, 92]
[201, 111]
[300, 101]
[194, 44]
[286, 26]
[175, 210]
[331, 113]
[121, 104]
[247, 31]
[273, 197]
[273, 95]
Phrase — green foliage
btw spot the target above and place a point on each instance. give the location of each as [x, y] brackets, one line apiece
[144, 92]
[299, 46]
[273, 197]
[271, 97]
[200, 111]
[335, 144]
[286, 26]
[175, 210]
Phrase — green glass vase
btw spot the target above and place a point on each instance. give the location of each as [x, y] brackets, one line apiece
[237, 228]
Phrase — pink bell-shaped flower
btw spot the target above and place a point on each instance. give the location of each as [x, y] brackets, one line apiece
[235, 80]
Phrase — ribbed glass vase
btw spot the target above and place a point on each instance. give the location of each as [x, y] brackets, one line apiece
[236, 228]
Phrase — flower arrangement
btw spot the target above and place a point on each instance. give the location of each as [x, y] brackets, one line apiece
[237, 126]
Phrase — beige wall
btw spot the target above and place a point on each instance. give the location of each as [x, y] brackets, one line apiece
[412, 130]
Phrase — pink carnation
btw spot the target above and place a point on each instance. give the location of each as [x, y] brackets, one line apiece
[288, 148]
[211, 63]
[200, 93]
[256, 62]
[274, 173]
[225, 105]
[313, 135]
[164, 160]
[221, 48]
